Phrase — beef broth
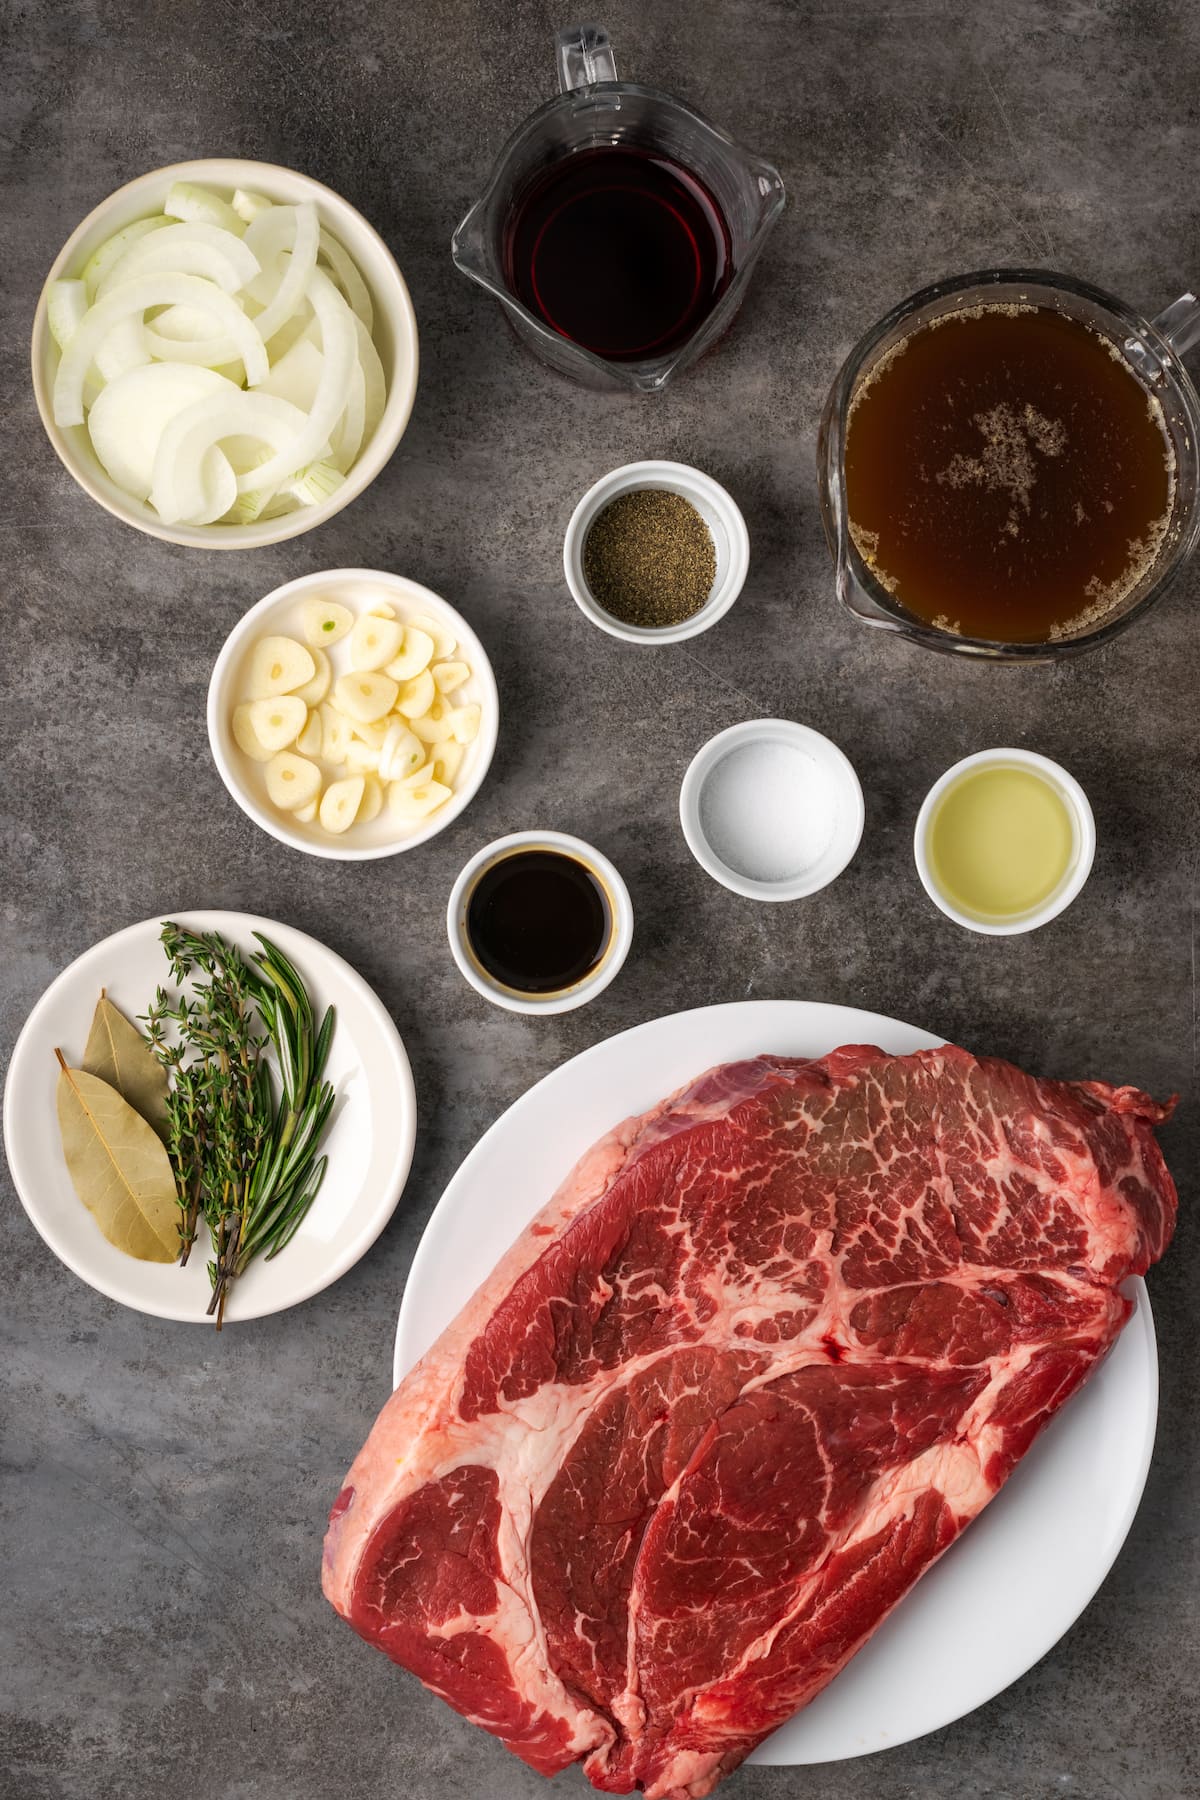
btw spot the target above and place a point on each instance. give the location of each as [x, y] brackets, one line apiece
[1007, 476]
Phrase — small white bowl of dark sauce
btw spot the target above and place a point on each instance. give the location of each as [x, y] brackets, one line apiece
[539, 922]
[771, 809]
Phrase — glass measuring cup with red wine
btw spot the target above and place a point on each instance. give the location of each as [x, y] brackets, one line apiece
[619, 228]
[622, 252]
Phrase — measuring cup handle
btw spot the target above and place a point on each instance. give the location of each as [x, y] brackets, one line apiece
[1180, 324]
[584, 57]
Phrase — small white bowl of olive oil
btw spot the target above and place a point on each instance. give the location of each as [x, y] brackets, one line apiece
[1004, 841]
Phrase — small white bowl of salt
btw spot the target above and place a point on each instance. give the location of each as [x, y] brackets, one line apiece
[771, 809]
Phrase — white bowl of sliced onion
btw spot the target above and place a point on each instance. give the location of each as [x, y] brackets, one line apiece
[224, 354]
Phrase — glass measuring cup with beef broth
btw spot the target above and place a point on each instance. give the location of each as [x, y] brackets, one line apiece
[1009, 467]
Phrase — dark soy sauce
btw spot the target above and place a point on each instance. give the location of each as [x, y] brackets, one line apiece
[622, 251]
[538, 921]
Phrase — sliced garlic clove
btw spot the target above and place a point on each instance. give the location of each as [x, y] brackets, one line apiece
[278, 665]
[371, 804]
[314, 691]
[415, 654]
[408, 802]
[444, 641]
[311, 739]
[360, 758]
[381, 609]
[278, 723]
[416, 696]
[340, 803]
[465, 723]
[445, 761]
[374, 642]
[402, 753]
[450, 675]
[245, 736]
[335, 735]
[372, 732]
[366, 697]
[436, 725]
[325, 622]
[292, 781]
[305, 814]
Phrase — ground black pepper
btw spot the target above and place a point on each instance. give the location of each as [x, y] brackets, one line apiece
[649, 558]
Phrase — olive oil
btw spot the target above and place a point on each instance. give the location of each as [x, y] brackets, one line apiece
[1007, 476]
[1000, 841]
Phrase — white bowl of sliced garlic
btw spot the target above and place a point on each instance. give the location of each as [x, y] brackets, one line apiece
[224, 354]
[353, 714]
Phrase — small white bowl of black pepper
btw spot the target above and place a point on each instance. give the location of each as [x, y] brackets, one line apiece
[656, 552]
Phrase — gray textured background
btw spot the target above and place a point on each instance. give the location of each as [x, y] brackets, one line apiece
[163, 1491]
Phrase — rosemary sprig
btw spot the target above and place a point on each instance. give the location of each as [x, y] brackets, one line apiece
[246, 1164]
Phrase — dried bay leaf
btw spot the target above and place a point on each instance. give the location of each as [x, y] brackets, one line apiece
[119, 1054]
[119, 1167]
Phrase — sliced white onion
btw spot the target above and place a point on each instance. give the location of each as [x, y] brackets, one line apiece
[220, 488]
[281, 504]
[375, 380]
[210, 352]
[179, 323]
[297, 230]
[245, 452]
[295, 375]
[346, 439]
[191, 249]
[246, 204]
[132, 412]
[134, 297]
[177, 491]
[124, 348]
[66, 303]
[339, 348]
[316, 483]
[201, 207]
[102, 260]
[249, 506]
[223, 357]
[345, 273]
[300, 324]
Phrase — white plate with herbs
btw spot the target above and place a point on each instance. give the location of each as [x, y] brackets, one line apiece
[367, 1133]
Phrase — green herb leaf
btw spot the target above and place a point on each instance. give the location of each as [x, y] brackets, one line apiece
[119, 1054]
[119, 1167]
[245, 1163]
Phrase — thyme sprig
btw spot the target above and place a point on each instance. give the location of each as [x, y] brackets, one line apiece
[245, 1163]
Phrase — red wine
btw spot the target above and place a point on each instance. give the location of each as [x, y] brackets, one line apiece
[622, 251]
